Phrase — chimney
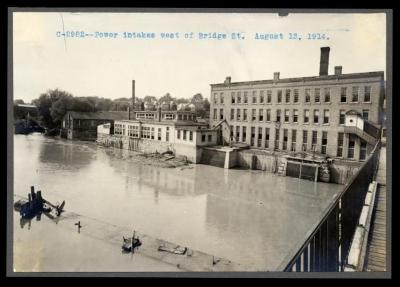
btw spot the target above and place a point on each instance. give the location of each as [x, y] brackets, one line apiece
[159, 114]
[228, 80]
[324, 62]
[338, 70]
[129, 113]
[276, 76]
[133, 98]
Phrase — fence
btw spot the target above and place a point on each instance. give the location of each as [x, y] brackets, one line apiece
[326, 247]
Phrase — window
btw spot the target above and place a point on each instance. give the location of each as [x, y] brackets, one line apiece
[307, 95]
[239, 98]
[268, 115]
[253, 135]
[245, 98]
[342, 117]
[350, 151]
[294, 139]
[191, 136]
[266, 137]
[278, 115]
[119, 129]
[221, 98]
[286, 116]
[316, 116]
[221, 114]
[233, 99]
[237, 133]
[367, 94]
[152, 134]
[296, 96]
[146, 132]
[261, 97]
[340, 145]
[159, 134]
[231, 130]
[276, 139]
[203, 138]
[243, 134]
[178, 135]
[363, 149]
[238, 114]
[295, 116]
[253, 115]
[305, 140]
[261, 115]
[254, 97]
[232, 114]
[215, 115]
[317, 95]
[287, 96]
[365, 114]
[285, 139]
[259, 137]
[343, 95]
[314, 140]
[245, 114]
[215, 98]
[209, 138]
[167, 135]
[306, 116]
[279, 96]
[133, 131]
[327, 95]
[269, 96]
[354, 97]
[324, 142]
[326, 116]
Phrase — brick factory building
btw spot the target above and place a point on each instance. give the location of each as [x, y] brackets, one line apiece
[337, 115]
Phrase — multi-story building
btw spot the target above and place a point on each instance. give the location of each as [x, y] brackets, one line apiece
[311, 114]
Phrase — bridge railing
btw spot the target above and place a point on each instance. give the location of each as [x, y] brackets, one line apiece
[326, 247]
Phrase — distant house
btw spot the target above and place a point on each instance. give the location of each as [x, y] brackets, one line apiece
[83, 125]
[26, 110]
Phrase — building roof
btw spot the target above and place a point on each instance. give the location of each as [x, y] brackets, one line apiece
[101, 115]
[304, 79]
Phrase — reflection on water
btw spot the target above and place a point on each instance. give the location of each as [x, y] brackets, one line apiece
[250, 217]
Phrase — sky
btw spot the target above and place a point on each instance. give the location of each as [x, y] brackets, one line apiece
[105, 67]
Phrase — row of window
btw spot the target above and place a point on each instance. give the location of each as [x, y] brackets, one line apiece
[145, 132]
[168, 116]
[291, 116]
[238, 133]
[184, 135]
[289, 96]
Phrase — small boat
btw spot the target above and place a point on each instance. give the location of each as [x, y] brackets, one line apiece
[129, 244]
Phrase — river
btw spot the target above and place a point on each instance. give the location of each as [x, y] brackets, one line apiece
[251, 217]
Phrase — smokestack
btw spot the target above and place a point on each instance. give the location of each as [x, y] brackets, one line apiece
[159, 114]
[338, 70]
[133, 98]
[129, 113]
[276, 76]
[324, 62]
[133, 94]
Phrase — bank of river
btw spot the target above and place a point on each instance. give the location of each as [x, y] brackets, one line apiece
[250, 217]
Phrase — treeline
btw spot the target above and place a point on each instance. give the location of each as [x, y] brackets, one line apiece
[54, 104]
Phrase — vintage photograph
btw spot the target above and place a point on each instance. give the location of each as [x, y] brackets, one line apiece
[178, 142]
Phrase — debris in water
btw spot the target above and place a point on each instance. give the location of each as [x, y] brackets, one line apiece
[175, 250]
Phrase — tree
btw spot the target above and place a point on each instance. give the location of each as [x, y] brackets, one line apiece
[166, 98]
[197, 98]
[150, 99]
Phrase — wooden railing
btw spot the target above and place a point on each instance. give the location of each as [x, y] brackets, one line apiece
[326, 247]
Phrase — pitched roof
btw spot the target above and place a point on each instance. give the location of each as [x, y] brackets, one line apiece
[101, 115]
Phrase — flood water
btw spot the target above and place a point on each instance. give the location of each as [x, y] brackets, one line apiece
[250, 217]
